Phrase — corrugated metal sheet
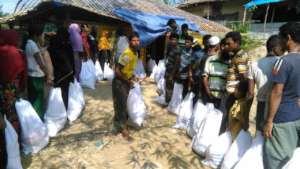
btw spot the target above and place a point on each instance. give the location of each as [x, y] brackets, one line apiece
[187, 3]
[106, 8]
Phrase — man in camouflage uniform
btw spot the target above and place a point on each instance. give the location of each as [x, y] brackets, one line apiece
[172, 64]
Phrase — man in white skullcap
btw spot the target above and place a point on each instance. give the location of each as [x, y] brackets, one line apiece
[215, 72]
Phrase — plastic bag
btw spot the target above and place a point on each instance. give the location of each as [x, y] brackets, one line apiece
[154, 71]
[88, 74]
[253, 158]
[34, 135]
[161, 86]
[56, 114]
[208, 131]
[176, 99]
[140, 70]
[185, 112]
[150, 65]
[217, 150]
[75, 103]
[160, 71]
[199, 114]
[294, 161]
[237, 150]
[136, 106]
[108, 72]
[99, 72]
[12, 147]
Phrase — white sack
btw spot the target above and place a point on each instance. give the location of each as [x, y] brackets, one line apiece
[185, 112]
[140, 70]
[238, 148]
[99, 72]
[75, 103]
[136, 106]
[217, 150]
[208, 131]
[108, 72]
[56, 114]
[253, 158]
[199, 114]
[12, 147]
[294, 162]
[34, 135]
[88, 74]
[176, 99]
[150, 65]
[160, 72]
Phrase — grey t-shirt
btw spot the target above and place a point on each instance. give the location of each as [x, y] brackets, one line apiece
[261, 72]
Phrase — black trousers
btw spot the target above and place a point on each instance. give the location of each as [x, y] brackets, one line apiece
[3, 153]
[104, 56]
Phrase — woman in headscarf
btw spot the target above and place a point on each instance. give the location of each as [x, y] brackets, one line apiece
[85, 41]
[12, 82]
[61, 55]
[77, 46]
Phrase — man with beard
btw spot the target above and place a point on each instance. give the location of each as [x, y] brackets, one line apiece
[122, 83]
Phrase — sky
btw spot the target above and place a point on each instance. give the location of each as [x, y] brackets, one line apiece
[8, 5]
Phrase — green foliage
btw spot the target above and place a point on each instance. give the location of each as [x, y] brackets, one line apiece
[1, 12]
[239, 27]
[250, 43]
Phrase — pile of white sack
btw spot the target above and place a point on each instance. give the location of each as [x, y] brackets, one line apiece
[202, 123]
[91, 73]
[36, 133]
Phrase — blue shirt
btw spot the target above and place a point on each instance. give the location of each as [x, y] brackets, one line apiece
[287, 71]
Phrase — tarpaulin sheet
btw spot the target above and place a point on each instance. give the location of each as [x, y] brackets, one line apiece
[259, 2]
[150, 26]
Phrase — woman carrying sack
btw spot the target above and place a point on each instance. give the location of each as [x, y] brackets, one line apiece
[12, 82]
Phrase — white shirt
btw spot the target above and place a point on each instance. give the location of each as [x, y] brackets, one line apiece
[34, 69]
[261, 72]
[122, 45]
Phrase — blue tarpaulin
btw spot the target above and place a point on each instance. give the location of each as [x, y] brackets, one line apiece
[150, 26]
[260, 2]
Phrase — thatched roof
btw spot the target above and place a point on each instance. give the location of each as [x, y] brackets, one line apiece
[106, 8]
[188, 3]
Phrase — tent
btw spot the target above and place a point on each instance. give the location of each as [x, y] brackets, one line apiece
[151, 26]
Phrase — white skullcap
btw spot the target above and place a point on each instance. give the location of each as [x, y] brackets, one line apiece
[214, 40]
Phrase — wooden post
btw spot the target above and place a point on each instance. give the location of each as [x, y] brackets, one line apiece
[266, 17]
[245, 16]
[273, 14]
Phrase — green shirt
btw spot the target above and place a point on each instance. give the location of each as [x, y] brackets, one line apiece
[216, 71]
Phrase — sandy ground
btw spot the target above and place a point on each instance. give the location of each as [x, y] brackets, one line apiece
[88, 144]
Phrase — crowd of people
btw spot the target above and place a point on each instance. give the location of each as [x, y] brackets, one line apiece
[224, 74]
[218, 71]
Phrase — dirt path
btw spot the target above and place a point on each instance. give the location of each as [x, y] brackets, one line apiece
[88, 144]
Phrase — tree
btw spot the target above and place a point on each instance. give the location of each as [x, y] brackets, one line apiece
[1, 12]
[173, 2]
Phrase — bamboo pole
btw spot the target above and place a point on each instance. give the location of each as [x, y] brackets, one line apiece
[266, 17]
[245, 16]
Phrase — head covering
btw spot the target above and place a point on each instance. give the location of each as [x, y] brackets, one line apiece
[213, 41]
[75, 37]
[9, 37]
[11, 61]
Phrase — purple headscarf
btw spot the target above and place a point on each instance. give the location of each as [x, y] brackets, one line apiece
[75, 38]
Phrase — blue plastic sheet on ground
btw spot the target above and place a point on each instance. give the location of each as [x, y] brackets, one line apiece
[150, 26]
[260, 2]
